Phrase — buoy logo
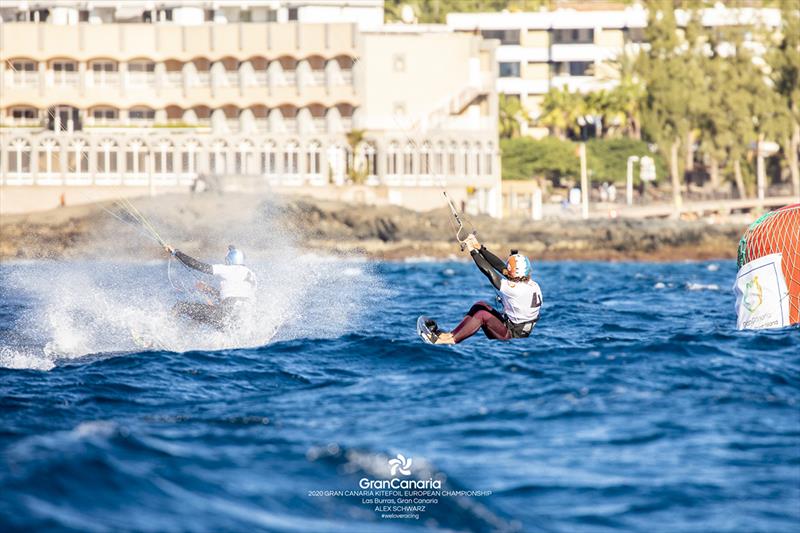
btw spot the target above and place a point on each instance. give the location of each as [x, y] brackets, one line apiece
[400, 464]
[753, 295]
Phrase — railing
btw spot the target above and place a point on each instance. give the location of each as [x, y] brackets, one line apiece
[66, 78]
[103, 79]
[347, 77]
[141, 79]
[25, 78]
[173, 79]
[261, 79]
[201, 79]
[320, 124]
[317, 77]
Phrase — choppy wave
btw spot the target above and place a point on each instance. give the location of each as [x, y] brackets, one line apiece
[631, 408]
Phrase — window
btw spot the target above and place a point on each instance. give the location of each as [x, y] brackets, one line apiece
[634, 35]
[141, 113]
[505, 36]
[23, 66]
[572, 68]
[292, 13]
[102, 114]
[83, 15]
[141, 66]
[573, 36]
[65, 66]
[580, 68]
[26, 113]
[509, 70]
[104, 66]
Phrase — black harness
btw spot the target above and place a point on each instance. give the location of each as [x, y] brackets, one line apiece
[521, 330]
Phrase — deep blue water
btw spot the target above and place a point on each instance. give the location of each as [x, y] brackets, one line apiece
[635, 406]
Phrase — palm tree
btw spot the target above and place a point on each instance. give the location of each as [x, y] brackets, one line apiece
[512, 114]
[627, 94]
[561, 110]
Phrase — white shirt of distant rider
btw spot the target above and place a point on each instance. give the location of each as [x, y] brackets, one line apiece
[521, 300]
[236, 281]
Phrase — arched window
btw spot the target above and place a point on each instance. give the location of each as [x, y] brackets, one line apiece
[49, 157]
[408, 159]
[106, 157]
[290, 159]
[478, 154]
[438, 159]
[451, 159]
[163, 157]
[392, 159]
[425, 159]
[217, 157]
[465, 170]
[136, 157]
[488, 167]
[269, 159]
[189, 156]
[245, 163]
[78, 157]
[370, 158]
[19, 157]
[313, 165]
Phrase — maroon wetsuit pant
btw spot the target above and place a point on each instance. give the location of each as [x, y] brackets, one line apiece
[482, 316]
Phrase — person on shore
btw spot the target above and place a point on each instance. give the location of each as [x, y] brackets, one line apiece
[237, 285]
[520, 295]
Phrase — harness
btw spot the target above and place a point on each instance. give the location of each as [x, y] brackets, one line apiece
[521, 330]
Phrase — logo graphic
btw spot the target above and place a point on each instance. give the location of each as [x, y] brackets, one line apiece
[401, 464]
[753, 295]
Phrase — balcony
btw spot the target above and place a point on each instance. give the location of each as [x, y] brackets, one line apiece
[141, 79]
[23, 78]
[64, 78]
[317, 78]
[102, 79]
[173, 79]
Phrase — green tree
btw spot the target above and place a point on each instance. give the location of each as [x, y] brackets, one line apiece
[666, 113]
[561, 110]
[511, 115]
[625, 98]
[784, 59]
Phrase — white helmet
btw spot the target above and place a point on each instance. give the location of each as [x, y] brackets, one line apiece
[518, 266]
[234, 256]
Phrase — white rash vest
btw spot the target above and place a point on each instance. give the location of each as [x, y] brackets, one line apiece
[521, 300]
[236, 281]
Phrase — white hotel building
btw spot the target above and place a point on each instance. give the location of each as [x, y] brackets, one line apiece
[108, 98]
[577, 48]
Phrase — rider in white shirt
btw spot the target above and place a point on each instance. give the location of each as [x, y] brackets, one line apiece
[237, 285]
[520, 295]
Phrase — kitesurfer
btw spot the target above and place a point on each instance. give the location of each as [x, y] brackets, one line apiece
[237, 285]
[520, 295]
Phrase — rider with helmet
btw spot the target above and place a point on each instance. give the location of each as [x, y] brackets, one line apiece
[237, 285]
[520, 296]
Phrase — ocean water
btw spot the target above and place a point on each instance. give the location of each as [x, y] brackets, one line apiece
[635, 405]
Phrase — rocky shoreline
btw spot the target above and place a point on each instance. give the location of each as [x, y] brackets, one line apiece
[264, 224]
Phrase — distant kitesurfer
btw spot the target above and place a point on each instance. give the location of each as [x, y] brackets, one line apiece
[237, 285]
[520, 295]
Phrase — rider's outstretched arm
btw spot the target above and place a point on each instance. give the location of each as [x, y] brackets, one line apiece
[191, 262]
[486, 268]
[492, 259]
